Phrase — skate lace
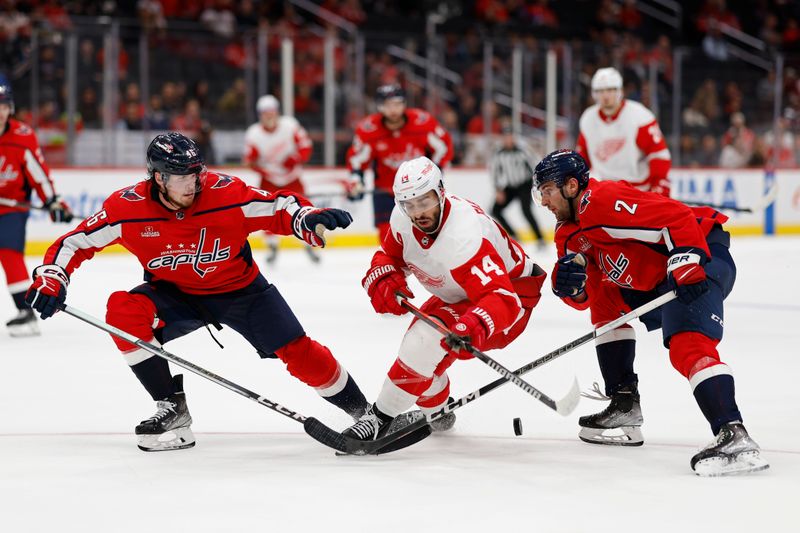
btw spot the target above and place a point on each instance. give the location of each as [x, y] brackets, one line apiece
[164, 410]
[596, 394]
[365, 429]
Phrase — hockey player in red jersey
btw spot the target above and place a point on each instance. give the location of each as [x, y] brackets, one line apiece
[647, 245]
[388, 138]
[276, 147]
[188, 228]
[621, 141]
[484, 287]
[22, 170]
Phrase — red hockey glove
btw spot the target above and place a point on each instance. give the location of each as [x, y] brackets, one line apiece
[471, 329]
[290, 162]
[48, 291]
[382, 283]
[309, 223]
[661, 187]
[686, 275]
[354, 186]
[59, 210]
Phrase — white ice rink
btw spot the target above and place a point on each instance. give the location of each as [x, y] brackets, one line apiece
[68, 459]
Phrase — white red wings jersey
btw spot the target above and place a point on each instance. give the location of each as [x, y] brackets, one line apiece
[471, 258]
[278, 155]
[22, 167]
[202, 249]
[629, 234]
[626, 146]
[387, 149]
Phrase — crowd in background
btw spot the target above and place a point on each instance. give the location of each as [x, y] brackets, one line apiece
[726, 120]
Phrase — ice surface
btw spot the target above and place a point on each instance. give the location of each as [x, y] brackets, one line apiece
[68, 459]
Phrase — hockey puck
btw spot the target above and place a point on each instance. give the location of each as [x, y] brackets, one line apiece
[517, 427]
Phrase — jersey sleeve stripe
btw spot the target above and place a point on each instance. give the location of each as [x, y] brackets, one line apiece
[268, 208]
[439, 148]
[360, 157]
[661, 154]
[39, 176]
[97, 240]
[650, 235]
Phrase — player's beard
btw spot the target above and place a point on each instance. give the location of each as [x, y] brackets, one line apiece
[174, 200]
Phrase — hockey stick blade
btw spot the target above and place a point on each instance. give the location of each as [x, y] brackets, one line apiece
[568, 403]
[350, 446]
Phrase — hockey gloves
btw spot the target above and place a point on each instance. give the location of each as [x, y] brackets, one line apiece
[59, 210]
[471, 329]
[569, 276]
[48, 292]
[310, 223]
[382, 283]
[354, 186]
[686, 275]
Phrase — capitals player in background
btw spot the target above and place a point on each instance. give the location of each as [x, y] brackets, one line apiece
[483, 284]
[188, 228]
[648, 245]
[22, 171]
[276, 147]
[386, 139]
[621, 141]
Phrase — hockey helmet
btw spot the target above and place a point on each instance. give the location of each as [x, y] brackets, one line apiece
[174, 153]
[389, 92]
[558, 167]
[6, 93]
[607, 78]
[414, 179]
[267, 103]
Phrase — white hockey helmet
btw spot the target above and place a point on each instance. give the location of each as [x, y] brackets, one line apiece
[607, 78]
[414, 179]
[267, 103]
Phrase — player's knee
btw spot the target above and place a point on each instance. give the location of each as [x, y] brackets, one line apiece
[132, 313]
[420, 349]
[309, 361]
[437, 393]
[691, 352]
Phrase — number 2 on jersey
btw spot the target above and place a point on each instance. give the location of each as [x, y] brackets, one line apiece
[620, 205]
[489, 266]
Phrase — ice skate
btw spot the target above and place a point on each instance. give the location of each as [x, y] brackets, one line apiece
[731, 452]
[618, 424]
[25, 324]
[369, 427]
[272, 254]
[170, 427]
[443, 423]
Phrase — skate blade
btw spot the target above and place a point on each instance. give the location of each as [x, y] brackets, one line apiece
[24, 330]
[176, 439]
[744, 463]
[630, 436]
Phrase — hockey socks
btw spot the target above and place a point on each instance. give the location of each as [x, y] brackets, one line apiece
[350, 399]
[716, 397]
[616, 364]
[154, 374]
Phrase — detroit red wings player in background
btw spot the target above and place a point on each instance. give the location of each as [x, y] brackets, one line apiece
[188, 228]
[620, 138]
[621, 141]
[483, 284]
[22, 171]
[386, 139]
[276, 147]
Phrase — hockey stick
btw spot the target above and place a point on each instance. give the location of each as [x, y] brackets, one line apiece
[564, 406]
[8, 202]
[757, 207]
[313, 427]
[397, 437]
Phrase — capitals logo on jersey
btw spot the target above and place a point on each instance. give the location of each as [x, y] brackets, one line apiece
[615, 268]
[196, 257]
[131, 195]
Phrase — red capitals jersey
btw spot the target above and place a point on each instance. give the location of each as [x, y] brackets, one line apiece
[420, 135]
[471, 259]
[201, 250]
[22, 167]
[627, 234]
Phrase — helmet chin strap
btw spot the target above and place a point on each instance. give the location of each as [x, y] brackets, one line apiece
[569, 202]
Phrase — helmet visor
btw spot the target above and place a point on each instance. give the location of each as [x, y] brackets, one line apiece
[416, 206]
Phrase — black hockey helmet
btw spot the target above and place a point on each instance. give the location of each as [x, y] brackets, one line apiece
[6, 94]
[559, 166]
[175, 153]
[387, 92]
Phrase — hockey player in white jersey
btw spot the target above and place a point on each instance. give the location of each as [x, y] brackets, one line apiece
[620, 138]
[276, 147]
[483, 284]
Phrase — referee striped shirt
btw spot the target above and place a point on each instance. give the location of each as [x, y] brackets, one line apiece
[510, 167]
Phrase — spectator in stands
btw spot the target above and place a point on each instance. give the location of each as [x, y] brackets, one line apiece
[131, 118]
[475, 125]
[151, 16]
[218, 18]
[786, 157]
[233, 100]
[189, 122]
[714, 46]
[539, 13]
[88, 107]
[737, 144]
[714, 13]
[706, 101]
[708, 154]
[791, 34]
[157, 118]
